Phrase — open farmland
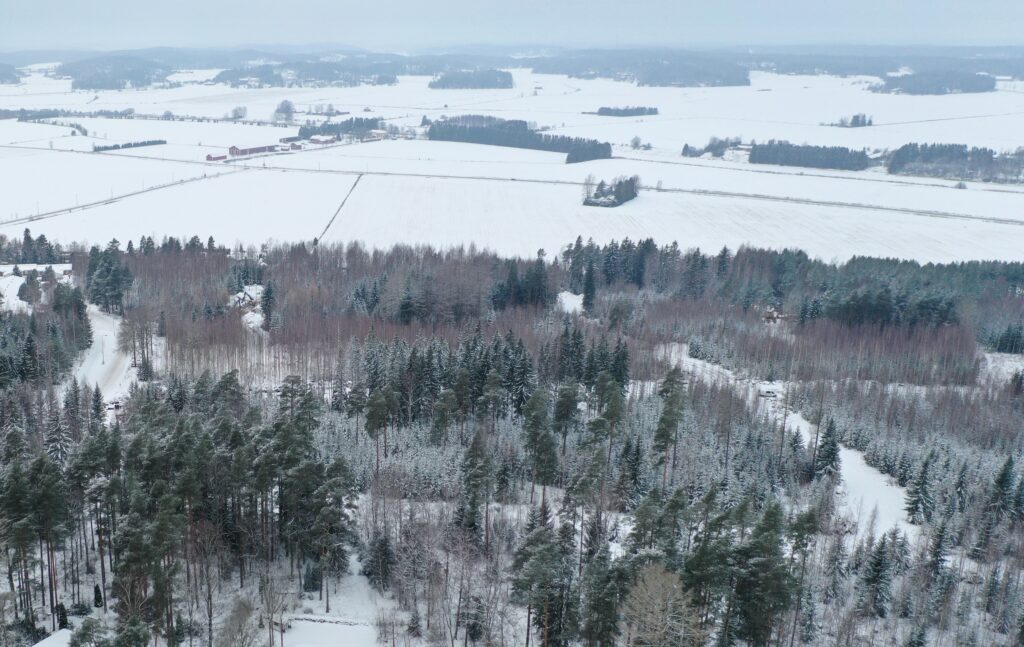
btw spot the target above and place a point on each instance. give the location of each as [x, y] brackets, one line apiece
[448, 194]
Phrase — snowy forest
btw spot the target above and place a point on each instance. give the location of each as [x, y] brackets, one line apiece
[632, 443]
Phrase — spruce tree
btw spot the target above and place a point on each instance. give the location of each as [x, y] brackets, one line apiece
[919, 500]
[826, 459]
[875, 587]
[589, 288]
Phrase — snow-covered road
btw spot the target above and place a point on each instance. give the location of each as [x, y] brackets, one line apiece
[862, 489]
[103, 364]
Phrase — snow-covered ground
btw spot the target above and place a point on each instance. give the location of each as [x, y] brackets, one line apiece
[9, 285]
[60, 638]
[103, 364]
[569, 302]
[37, 181]
[355, 609]
[998, 368]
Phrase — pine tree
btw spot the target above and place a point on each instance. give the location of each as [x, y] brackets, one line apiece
[534, 574]
[599, 605]
[763, 586]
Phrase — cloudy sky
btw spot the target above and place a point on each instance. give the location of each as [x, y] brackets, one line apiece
[407, 25]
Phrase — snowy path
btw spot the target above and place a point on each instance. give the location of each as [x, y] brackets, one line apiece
[862, 490]
[355, 609]
[103, 364]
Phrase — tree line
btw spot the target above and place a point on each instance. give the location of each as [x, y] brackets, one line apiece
[628, 111]
[786, 154]
[472, 79]
[516, 134]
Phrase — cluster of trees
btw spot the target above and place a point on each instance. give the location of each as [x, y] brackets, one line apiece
[628, 111]
[115, 147]
[350, 126]
[716, 146]
[957, 161]
[113, 72]
[472, 79]
[107, 277]
[600, 492]
[151, 517]
[938, 82]
[620, 191]
[786, 154]
[30, 251]
[859, 120]
[40, 347]
[1010, 340]
[516, 134]
[263, 75]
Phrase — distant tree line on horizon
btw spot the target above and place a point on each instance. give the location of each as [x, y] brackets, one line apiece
[937, 82]
[113, 72]
[647, 67]
[334, 73]
[477, 129]
[628, 111]
[472, 79]
[786, 154]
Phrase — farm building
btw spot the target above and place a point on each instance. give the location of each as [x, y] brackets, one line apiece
[322, 139]
[235, 151]
[215, 158]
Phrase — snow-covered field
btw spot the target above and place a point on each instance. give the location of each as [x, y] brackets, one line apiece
[773, 106]
[38, 181]
[512, 201]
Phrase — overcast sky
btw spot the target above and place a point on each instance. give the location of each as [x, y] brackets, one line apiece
[407, 25]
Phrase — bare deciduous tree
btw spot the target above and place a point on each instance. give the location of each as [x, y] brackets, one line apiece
[657, 612]
[238, 629]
